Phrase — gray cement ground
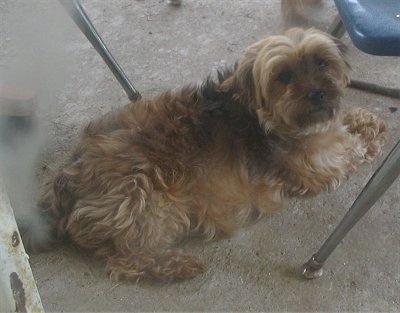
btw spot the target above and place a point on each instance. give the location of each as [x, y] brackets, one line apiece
[162, 47]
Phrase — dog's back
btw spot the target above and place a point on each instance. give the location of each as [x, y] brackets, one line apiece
[167, 139]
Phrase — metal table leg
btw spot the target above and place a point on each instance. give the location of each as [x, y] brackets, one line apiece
[375, 188]
[78, 14]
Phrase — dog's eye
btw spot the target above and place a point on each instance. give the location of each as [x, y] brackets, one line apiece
[321, 63]
[285, 76]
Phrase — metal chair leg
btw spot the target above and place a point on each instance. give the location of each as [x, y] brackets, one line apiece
[337, 28]
[375, 188]
[78, 14]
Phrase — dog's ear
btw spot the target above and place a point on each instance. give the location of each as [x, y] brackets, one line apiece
[342, 51]
[342, 48]
[336, 43]
[243, 77]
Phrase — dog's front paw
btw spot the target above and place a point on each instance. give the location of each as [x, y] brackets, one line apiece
[369, 127]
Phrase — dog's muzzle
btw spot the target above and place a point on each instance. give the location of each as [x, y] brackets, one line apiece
[317, 97]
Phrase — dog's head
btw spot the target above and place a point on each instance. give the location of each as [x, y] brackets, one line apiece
[295, 80]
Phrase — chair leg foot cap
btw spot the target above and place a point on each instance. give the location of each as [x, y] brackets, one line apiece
[312, 269]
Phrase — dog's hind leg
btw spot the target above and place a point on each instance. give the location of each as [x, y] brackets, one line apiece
[133, 232]
[163, 266]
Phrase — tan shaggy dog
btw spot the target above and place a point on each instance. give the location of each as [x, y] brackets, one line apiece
[205, 160]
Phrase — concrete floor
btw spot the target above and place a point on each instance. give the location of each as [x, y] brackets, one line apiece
[163, 47]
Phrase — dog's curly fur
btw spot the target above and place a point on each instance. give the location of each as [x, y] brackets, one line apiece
[207, 160]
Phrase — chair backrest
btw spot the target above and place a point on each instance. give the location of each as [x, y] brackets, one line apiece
[373, 25]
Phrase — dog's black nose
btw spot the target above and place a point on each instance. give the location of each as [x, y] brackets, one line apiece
[316, 96]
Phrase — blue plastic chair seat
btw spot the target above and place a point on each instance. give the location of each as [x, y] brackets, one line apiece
[373, 25]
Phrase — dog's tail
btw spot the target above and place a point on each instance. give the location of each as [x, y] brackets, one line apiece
[47, 228]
